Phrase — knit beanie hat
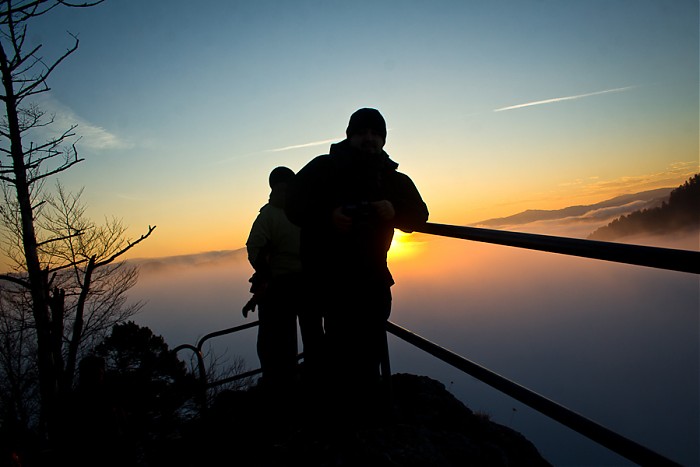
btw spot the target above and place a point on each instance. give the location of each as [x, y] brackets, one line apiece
[280, 175]
[366, 118]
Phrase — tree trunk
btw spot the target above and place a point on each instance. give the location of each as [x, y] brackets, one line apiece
[48, 376]
[78, 323]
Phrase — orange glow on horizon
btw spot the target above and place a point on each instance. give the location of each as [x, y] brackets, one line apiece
[403, 246]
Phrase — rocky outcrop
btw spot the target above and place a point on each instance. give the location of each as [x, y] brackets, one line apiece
[426, 426]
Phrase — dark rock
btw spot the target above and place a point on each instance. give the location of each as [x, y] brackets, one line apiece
[426, 426]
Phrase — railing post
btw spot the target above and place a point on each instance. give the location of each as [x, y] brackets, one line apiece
[202, 380]
[201, 367]
[385, 369]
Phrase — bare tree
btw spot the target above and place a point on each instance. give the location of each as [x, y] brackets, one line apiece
[18, 388]
[81, 255]
[62, 259]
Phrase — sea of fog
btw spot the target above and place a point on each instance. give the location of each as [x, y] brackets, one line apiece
[615, 343]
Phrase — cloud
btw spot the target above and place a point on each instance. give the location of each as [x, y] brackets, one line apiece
[561, 99]
[95, 137]
[593, 188]
[90, 136]
[206, 259]
[613, 211]
[596, 188]
[675, 174]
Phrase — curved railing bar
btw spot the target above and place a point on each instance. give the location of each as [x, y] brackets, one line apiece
[598, 433]
[655, 257]
[201, 367]
[211, 335]
[200, 359]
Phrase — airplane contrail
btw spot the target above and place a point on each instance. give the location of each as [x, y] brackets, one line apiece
[560, 99]
[314, 143]
[305, 145]
[286, 148]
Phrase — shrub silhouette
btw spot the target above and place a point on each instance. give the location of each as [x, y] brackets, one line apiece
[152, 384]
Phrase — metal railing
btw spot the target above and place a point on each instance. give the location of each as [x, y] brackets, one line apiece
[592, 430]
[654, 257]
[201, 367]
[660, 258]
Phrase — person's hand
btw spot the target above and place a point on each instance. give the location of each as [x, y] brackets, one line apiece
[384, 209]
[250, 306]
[341, 222]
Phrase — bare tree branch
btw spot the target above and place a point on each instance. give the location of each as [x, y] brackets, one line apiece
[129, 246]
[15, 280]
[63, 168]
[37, 8]
[59, 239]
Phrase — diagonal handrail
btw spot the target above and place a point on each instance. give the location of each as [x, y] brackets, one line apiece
[592, 430]
[655, 257]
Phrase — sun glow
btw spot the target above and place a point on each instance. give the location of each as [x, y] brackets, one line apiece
[403, 245]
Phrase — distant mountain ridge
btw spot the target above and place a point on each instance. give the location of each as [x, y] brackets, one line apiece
[681, 212]
[605, 209]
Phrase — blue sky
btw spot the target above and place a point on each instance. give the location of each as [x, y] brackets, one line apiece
[493, 107]
[185, 108]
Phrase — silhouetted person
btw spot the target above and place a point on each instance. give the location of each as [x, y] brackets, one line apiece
[348, 203]
[273, 251]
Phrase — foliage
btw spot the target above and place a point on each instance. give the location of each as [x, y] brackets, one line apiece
[682, 211]
[152, 382]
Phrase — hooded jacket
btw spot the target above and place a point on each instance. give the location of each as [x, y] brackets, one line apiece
[350, 179]
[273, 242]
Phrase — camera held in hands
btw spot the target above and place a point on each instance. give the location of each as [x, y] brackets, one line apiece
[358, 212]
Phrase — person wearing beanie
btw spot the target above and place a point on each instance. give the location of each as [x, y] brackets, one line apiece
[273, 251]
[347, 204]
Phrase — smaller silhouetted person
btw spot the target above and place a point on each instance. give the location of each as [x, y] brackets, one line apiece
[348, 203]
[273, 251]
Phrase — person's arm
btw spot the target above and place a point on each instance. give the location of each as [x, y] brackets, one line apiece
[258, 239]
[410, 209]
[258, 247]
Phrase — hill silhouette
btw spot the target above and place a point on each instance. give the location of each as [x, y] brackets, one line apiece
[591, 212]
[680, 212]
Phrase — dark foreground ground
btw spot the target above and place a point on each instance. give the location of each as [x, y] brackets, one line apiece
[425, 426]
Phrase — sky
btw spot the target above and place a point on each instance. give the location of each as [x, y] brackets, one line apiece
[493, 107]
